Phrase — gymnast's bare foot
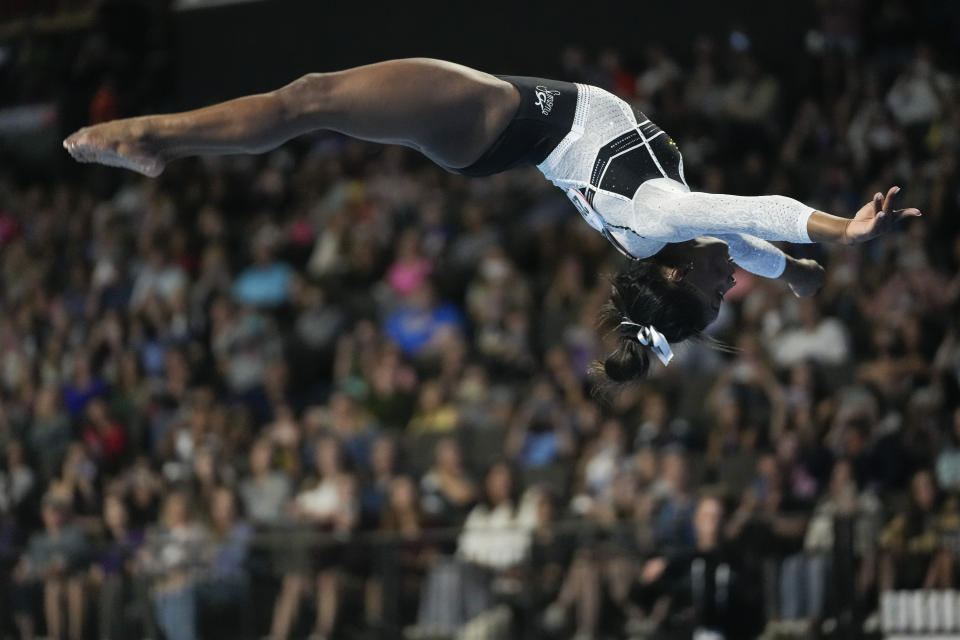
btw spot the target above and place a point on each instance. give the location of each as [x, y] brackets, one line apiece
[120, 143]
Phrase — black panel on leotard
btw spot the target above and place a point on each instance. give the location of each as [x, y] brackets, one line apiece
[627, 172]
[624, 163]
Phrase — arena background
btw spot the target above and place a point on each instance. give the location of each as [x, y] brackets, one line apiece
[336, 391]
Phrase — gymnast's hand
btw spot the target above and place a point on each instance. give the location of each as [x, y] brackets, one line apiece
[876, 218]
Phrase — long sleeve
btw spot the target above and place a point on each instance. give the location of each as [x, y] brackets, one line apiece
[665, 211]
[755, 255]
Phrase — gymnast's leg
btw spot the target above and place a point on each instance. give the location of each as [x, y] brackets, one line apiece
[449, 112]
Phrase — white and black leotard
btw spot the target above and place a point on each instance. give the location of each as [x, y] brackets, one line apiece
[625, 175]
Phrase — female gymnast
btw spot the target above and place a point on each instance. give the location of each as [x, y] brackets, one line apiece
[621, 171]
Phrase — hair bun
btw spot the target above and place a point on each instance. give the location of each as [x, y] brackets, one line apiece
[630, 361]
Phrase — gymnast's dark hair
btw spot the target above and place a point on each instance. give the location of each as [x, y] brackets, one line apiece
[651, 291]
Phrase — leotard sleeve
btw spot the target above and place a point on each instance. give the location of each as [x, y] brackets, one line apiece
[665, 211]
[755, 255]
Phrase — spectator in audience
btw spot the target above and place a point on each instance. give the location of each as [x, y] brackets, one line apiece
[493, 543]
[57, 558]
[446, 490]
[223, 588]
[700, 590]
[267, 282]
[266, 492]
[673, 513]
[328, 506]
[913, 555]
[855, 515]
[172, 556]
[434, 413]
[378, 483]
[823, 340]
[112, 571]
[422, 325]
[49, 433]
[404, 518]
[17, 481]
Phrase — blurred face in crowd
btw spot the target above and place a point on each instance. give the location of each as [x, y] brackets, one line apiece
[204, 466]
[674, 470]
[499, 484]
[175, 511]
[841, 477]
[14, 455]
[706, 522]
[114, 513]
[97, 412]
[624, 491]
[546, 510]
[709, 268]
[922, 490]
[382, 456]
[46, 401]
[260, 457]
[431, 396]
[223, 508]
[448, 455]
[54, 514]
[403, 494]
[328, 457]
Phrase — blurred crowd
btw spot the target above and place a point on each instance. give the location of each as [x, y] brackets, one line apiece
[336, 390]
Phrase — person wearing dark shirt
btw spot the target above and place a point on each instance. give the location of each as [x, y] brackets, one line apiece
[111, 570]
[700, 590]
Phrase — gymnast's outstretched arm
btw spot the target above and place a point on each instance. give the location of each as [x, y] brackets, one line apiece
[449, 112]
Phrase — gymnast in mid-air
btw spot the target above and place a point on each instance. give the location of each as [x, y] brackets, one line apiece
[622, 172]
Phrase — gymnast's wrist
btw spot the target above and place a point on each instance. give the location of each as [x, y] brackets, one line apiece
[823, 227]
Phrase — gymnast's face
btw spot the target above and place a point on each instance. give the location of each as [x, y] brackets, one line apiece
[706, 264]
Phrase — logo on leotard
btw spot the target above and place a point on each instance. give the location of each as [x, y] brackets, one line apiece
[545, 98]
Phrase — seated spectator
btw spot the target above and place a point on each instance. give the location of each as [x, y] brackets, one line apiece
[434, 412]
[422, 324]
[83, 386]
[700, 590]
[446, 490]
[223, 589]
[172, 556]
[823, 340]
[78, 483]
[540, 434]
[602, 570]
[948, 460]
[378, 484]
[112, 570]
[403, 517]
[265, 492]
[673, 513]
[17, 482]
[267, 282]
[104, 437]
[494, 542]
[48, 435]
[913, 555]
[410, 268]
[158, 276]
[843, 508]
[56, 558]
[328, 506]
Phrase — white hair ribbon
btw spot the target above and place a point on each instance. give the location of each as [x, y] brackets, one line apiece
[648, 336]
